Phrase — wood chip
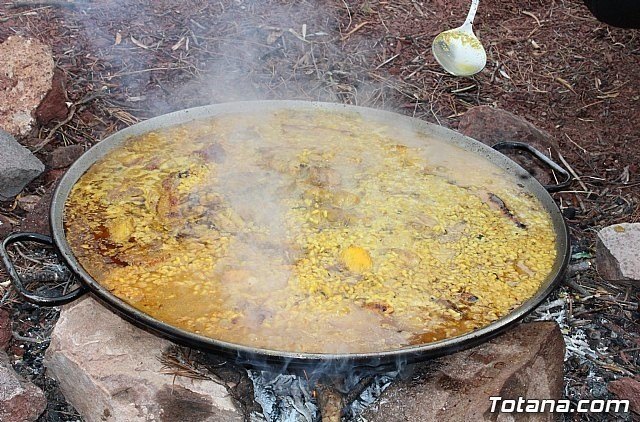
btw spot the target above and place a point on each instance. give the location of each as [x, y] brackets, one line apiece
[138, 43]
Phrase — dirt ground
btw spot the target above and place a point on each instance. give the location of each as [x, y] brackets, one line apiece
[549, 61]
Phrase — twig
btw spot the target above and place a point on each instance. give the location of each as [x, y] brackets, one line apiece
[574, 174]
[531, 15]
[564, 83]
[348, 13]
[575, 143]
[356, 28]
[27, 339]
[72, 112]
[389, 60]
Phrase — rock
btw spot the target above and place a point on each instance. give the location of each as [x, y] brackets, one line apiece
[525, 361]
[5, 329]
[54, 105]
[618, 253]
[491, 125]
[26, 73]
[109, 371]
[18, 166]
[20, 400]
[52, 176]
[627, 389]
[38, 219]
[28, 202]
[65, 156]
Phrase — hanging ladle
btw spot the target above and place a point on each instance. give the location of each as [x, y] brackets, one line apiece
[458, 50]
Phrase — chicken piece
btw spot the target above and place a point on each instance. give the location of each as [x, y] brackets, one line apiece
[323, 176]
[167, 205]
[379, 306]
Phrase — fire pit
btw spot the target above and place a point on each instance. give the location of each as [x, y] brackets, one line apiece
[108, 366]
[374, 306]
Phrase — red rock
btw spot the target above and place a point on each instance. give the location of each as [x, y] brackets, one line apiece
[109, 371]
[65, 156]
[526, 361]
[53, 106]
[38, 219]
[627, 389]
[52, 176]
[20, 400]
[5, 329]
[491, 125]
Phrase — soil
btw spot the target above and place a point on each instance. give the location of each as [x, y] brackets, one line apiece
[549, 61]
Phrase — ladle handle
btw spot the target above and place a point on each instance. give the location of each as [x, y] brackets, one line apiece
[17, 281]
[472, 14]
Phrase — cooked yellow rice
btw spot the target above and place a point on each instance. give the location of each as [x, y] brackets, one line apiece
[309, 232]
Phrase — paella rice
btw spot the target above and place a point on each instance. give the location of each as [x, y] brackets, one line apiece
[309, 232]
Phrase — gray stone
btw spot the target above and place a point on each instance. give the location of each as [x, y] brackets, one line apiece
[618, 252]
[20, 400]
[18, 166]
[109, 371]
[526, 361]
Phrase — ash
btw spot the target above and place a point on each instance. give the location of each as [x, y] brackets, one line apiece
[594, 316]
[292, 398]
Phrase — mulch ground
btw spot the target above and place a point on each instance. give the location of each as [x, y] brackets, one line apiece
[549, 61]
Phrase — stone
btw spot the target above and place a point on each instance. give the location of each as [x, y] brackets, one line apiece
[26, 74]
[109, 370]
[627, 389]
[526, 361]
[491, 125]
[20, 400]
[618, 253]
[18, 166]
[28, 202]
[63, 157]
[54, 105]
[38, 219]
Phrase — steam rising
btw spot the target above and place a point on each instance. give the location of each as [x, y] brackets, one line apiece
[162, 57]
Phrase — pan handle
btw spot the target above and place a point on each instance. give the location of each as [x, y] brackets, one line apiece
[566, 177]
[17, 280]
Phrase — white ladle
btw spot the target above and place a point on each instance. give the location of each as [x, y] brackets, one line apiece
[458, 50]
